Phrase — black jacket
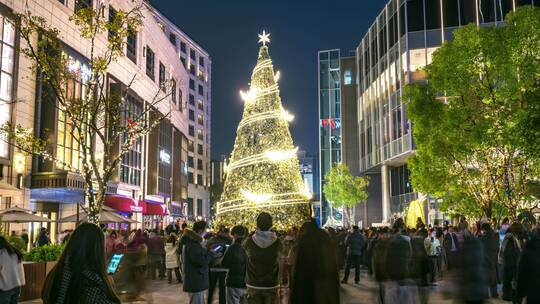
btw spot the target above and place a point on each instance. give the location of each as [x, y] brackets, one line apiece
[355, 242]
[235, 260]
[195, 260]
[221, 241]
[528, 281]
[262, 261]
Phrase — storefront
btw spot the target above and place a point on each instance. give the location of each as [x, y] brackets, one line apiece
[155, 215]
[127, 207]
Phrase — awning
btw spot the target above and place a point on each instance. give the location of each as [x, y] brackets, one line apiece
[155, 209]
[125, 204]
[20, 215]
[9, 190]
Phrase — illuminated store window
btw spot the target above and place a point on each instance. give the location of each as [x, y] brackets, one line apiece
[7, 36]
[130, 168]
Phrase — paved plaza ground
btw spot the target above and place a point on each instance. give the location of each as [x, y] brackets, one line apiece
[160, 292]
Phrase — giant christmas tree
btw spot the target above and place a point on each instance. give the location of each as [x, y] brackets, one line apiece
[263, 172]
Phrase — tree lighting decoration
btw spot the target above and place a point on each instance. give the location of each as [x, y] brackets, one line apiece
[263, 173]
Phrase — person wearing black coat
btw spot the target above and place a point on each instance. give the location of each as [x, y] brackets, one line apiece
[490, 241]
[195, 262]
[218, 243]
[451, 248]
[471, 276]
[528, 278]
[235, 261]
[355, 244]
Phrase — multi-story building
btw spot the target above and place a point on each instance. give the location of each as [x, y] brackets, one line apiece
[397, 45]
[199, 66]
[329, 126]
[310, 172]
[151, 183]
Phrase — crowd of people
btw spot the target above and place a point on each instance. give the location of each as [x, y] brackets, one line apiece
[297, 266]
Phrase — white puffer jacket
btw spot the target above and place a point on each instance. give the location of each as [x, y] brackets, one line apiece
[171, 258]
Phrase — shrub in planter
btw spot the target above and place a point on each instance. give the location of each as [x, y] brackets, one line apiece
[47, 253]
[18, 243]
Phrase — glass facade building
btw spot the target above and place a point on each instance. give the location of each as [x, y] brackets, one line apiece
[329, 124]
[397, 45]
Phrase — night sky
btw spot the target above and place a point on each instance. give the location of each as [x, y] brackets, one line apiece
[228, 30]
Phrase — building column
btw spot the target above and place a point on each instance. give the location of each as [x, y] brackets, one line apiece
[385, 188]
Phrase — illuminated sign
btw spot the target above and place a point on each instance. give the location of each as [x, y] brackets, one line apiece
[164, 156]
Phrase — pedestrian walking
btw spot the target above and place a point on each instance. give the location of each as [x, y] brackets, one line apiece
[509, 255]
[156, 251]
[218, 244]
[354, 244]
[490, 242]
[43, 238]
[80, 273]
[433, 250]
[11, 272]
[171, 259]
[262, 249]
[451, 247]
[234, 261]
[528, 281]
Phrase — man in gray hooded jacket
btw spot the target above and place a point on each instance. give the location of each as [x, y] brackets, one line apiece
[262, 249]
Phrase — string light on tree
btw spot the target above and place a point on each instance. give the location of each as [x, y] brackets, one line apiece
[263, 173]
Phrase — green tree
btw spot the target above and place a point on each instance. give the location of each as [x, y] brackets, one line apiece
[468, 117]
[345, 190]
[100, 122]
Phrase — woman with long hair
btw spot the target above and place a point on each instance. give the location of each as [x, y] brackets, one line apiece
[11, 272]
[80, 274]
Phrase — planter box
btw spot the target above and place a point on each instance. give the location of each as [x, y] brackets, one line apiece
[34, 274]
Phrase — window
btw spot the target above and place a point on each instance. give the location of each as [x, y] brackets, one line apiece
[451, 13]
[192, 69]
[200, 119]
[173, 91]
[486, 11]
[191, 115]
[433, 14]
[62, 1]
[199, 207]
[161, 76]
[191, 130]
[467, 11]
[190, 146]
[192, 84]
[190, 206]
[200, 104]
[112, 16]
[200, 181]
[172, 39]
[80, 4]
[7, 60]
[150, 62]
[200, 134]
[201, 90]
[191, 99]
[192, 54]
[190, 161]
[199, 149]
[164, 157]
[190, 177]
[201, 61]
[183, 47]
[347, 77]
[130, 167]
[131, 45]
[415, 15]
[183, 60]
[199, 164]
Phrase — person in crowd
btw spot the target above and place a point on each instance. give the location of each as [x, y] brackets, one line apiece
[43, 237]
[171, 258]
[451, 247]
[471, 279]
[510, 251]
[156, 250]
[441, 259]
[111, 243]
[137, 240]
[315, 272]
[528, 277]
[420, 224]
[195, 263]
[80, 273]
[262, 249]
[11, 272]
[218, 243]
[433, 250]
[24, 237]
[490, 242]
[419, 265]
[234, 261]
[354, 243]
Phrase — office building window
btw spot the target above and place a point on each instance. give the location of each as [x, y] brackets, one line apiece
[150, 62]
[190, 177]
[182, 46]
[347, 77]
[192, 84]
[433, 14]
[191, 130]
[200, 134]
[191, 115]
[200, 105]
[161, 76]
[173, 91]
[199, 149]
[190, 162]
[112, 16]
[190, 206]
[191, 99]
[130, 168]
[7, 37]
[190, 146]
[172, 39]
[199, 207]
[201, 90]
[201, 61]
[164, 157]
[192, 70]
[199, 164]
[415, 15]
[451, 13]
[131, 45]
[62, 1]
[192, 54]
[200, 119]
[200, 181]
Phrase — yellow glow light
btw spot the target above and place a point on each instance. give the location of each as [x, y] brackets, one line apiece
[280, 154]
[249, 95]
[264, 38]
[287, 116]
[257, 198]
[19, 162]
[276, 76]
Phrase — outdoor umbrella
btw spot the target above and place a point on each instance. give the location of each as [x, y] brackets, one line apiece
[107, 215]
[20, 215]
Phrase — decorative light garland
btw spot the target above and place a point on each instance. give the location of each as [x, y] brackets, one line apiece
[271, 155]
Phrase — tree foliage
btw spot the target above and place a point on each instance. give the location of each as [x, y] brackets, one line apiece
[97, 119]
[472, 113]
[343, 189]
